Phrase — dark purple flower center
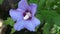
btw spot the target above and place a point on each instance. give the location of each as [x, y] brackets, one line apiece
[25, 13]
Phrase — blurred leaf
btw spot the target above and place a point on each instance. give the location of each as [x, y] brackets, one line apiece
[9, 21]
[12, 31]
[46, 28]
[51, 18]
[1, 1]
[57, 20]
[40, 17]
[49, 14]
[54, 30]
[33, 1]
[48, 3]
[41, 4]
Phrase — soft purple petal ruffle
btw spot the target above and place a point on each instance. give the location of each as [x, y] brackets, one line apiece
[32, 24]
[19, 25]
[33, 8]
[16, 14]
[29, 26]
[35, 21]
[23, 4]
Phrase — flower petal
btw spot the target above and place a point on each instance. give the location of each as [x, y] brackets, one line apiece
[35, 21]
[33, 8]
[29, 26]
[23, 4]
[19, 25]
[16, 14]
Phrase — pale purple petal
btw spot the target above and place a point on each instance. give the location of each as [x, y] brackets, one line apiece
[19, 25]
[29, 26]
[33, 8]
[35, 21]
[23, 4]
[16, 14]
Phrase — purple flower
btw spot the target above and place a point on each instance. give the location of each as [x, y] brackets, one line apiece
[24, 16]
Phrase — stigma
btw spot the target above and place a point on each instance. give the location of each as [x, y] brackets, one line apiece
[27, 16]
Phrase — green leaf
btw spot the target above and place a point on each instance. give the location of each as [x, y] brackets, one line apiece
[46, 29]
[54, 30]
[40, 18]
[51, 17]
[57, 20]
[41, 4]
[9, 21]
[12, 31]
[33, 1]
[1, 1]
[49, 3]
[49, 14]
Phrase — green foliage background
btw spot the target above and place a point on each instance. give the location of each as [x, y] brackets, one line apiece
[48, 12]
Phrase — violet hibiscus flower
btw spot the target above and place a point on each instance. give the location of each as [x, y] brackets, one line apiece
[24, 16]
